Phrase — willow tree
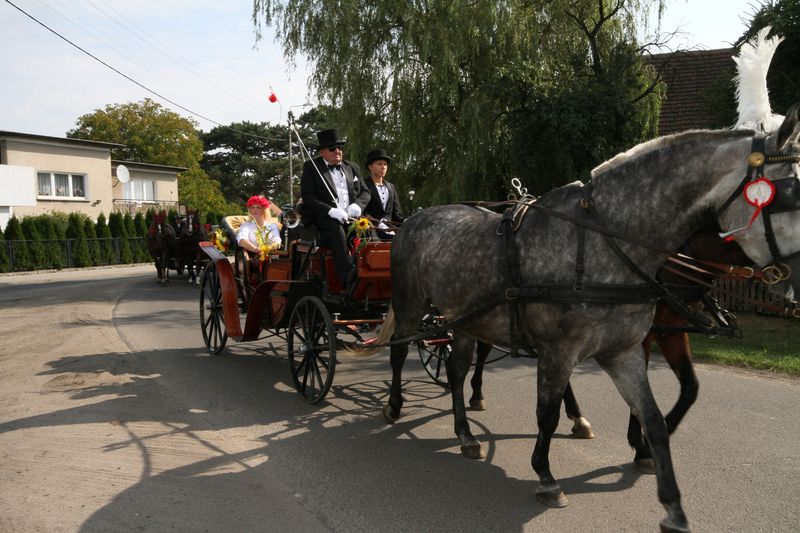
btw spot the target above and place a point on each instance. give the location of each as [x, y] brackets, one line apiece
[464, 93]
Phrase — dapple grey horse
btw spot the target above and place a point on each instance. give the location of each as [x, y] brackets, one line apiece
[646, 202]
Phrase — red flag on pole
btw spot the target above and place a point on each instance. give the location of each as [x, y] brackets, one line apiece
[272, 96]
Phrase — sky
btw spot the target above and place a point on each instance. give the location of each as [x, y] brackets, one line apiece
[202, 55]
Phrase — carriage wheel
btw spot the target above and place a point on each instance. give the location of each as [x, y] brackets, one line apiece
[311, 343]
[433, 358]
[212, 319]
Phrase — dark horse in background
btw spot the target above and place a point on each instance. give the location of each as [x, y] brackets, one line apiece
[160, 240]
[187, 252]
[639, 208]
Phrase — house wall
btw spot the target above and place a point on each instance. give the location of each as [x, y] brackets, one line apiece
[44, 156]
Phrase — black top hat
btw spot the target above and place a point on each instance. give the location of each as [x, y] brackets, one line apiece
[329, 138]
[377, 154]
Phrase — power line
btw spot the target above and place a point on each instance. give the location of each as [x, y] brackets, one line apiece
[133, 80]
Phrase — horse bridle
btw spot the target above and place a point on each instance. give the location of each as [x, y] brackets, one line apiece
[787, 198]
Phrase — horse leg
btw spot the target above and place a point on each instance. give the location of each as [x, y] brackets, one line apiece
[643, 458]
[551, 384]
[678, 353]
[476, 402]
[581, 427]
[629, 373]
[397, 357]
[457, 366]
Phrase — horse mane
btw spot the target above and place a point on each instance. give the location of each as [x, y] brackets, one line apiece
[660, 143]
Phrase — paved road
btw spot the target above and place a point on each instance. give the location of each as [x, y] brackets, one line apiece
[113, 418]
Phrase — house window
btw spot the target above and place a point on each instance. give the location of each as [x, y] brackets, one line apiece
[140, 190]
[61, 185]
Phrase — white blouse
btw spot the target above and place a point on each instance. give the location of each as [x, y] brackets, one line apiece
[248, 231]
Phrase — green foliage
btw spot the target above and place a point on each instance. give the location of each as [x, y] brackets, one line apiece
[149, 132]
[135, 243]
[767, 343]
[55, 249]
[36, 248]
[103, 232]
[466, 95]
[91, 239]
[256, 161]
[200, 192]
[4, 261]
[117, 227]
[783, 79]
[81, 257]
[19, 246]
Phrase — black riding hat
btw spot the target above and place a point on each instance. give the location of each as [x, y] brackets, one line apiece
[330, 137]
[377, 154]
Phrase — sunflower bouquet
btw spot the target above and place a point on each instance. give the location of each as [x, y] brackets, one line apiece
[361, 232]
[220, 240]
[264, 250]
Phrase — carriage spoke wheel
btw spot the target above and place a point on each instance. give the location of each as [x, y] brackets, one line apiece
[311, 343]
[433, 358]
[212, 319]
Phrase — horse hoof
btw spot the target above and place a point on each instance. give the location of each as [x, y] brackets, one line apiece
[477, 405]
[387, 414]
[473, 451]
[553, 498]
[582, 429]
[668, 527]
[645, 466]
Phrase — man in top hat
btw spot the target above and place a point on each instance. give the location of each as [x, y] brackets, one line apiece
[384, 204]
[332, 193]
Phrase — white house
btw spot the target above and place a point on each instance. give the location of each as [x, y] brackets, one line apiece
[40, 174]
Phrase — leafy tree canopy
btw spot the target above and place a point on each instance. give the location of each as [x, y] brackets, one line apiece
[149, 132]
[247, 158]
[154, 134]
[466, 95]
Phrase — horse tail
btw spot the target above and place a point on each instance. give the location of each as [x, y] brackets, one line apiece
[375, 345]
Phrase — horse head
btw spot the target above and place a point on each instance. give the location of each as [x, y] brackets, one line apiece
[765, 220]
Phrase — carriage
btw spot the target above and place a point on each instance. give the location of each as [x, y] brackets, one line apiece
[295, 296]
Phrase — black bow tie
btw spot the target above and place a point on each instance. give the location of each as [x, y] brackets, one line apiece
[334, 167]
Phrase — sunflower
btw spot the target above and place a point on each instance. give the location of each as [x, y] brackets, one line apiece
[362, 224]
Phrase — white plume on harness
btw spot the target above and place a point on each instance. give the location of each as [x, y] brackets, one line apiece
[752, 64]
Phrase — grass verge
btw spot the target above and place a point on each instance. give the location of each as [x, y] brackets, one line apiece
[767, 344]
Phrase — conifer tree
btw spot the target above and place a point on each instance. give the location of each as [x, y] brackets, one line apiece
[91, 239]
[103, 232]
[141, 233]
[55, 246]
[118, 231]
[36, 247]
[4, 263]
[20, 255]
[78, 244]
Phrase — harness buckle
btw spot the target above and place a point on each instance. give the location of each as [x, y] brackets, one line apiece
[578, 286]
[512, 294]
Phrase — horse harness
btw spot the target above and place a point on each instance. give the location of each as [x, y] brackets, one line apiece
[787, 198]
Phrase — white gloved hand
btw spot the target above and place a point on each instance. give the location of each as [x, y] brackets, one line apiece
[353, 210]
[338, 214]
[383, 226]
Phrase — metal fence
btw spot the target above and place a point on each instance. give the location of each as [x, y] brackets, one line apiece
[61, 253]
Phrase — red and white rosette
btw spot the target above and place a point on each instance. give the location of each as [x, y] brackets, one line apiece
[758, 193]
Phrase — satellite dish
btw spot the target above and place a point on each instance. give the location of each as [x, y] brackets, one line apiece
[122, 174]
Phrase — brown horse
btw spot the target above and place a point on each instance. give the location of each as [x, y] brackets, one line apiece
[160, 241]
[187, 245]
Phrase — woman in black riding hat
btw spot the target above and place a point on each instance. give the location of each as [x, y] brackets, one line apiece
[384, 204]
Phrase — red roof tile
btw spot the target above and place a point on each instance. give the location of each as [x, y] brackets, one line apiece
[689, 75]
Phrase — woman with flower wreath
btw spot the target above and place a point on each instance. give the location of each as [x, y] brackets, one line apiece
[258, 236]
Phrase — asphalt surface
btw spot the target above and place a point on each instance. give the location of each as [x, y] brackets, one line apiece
[114, 418]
